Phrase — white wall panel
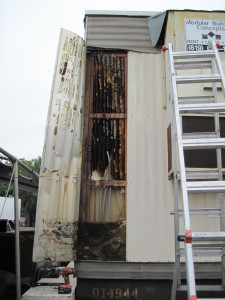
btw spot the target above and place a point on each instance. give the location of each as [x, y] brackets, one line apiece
[149, 193]
[59, 186]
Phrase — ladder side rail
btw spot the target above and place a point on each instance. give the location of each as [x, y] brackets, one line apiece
[219, 66]
[218, 151]
[177, 265]
[179, 142]
[217, 122]
[190, 271]
[188, 247]
[217, 62]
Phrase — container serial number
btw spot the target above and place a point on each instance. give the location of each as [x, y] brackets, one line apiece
[114, 293]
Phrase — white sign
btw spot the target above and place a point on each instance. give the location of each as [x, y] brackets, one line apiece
[7, 208]
[200, 31]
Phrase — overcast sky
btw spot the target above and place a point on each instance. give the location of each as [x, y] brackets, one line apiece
[29, 31]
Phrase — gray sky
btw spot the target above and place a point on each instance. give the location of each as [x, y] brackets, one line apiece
[29, 31]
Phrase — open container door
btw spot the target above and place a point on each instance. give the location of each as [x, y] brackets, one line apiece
[59, 186]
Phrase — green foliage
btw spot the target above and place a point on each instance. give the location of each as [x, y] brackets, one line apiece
[34, 164]
[3, 190]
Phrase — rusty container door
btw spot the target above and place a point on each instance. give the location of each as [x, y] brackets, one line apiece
[59, 187]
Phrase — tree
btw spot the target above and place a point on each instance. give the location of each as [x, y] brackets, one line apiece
[3, 190]
[28, 199]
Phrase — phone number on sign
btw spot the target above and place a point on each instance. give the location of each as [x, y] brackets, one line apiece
[194, 47]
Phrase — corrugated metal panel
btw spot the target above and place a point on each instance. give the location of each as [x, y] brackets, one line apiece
[150, 196]
[149, 193]
[127, 33]
[59, 188]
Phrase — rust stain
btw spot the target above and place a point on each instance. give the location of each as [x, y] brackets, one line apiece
[108, 133]
[53, 147]
[64, 197]
[63, 70]
[55, 130]
[57, 120]
[65, 190]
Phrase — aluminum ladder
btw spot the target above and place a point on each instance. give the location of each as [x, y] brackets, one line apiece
[196, 243]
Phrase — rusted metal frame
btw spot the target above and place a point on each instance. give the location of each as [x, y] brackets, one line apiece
[121, 93]
[89, 147]
[95, 205]
[88, 94]
[115, 54]
[124, 55]
[92, 115]
[116, 123]
[107, 183]
[107, 116]
[88, 170]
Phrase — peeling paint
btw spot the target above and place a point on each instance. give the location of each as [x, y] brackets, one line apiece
[60, 229]
[60, 236]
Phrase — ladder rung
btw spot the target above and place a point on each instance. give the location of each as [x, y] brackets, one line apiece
[204, 288]
[210, 143]
[201, 212]
[196, 99]
[187, 65]
[208, 236]
[217, 236]
[208, 245]
[205, 252]
[206, 187]
[199, 135]
[202, 108]
[193, 54]
[198, 79]
[201, 175]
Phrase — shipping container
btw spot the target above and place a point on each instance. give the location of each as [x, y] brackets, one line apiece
[106, 193]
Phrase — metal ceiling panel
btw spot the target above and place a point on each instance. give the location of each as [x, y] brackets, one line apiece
[59, 187]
